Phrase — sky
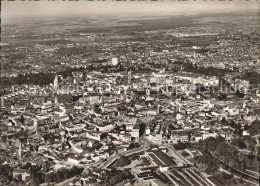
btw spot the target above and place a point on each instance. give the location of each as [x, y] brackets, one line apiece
[14, 9]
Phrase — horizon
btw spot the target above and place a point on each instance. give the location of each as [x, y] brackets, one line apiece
[12, 10]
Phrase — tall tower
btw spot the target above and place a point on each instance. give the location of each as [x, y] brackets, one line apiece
[36, 125]
[129, 77]
[55, 84]
[158, 109]
[2, 102]
[56, 103]
[20, 149]
[244, 104]
[148, 92]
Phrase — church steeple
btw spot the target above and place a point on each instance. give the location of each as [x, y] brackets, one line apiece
[55, 84]
[56, 100]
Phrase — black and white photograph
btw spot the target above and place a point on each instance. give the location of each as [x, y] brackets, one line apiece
[130, 93]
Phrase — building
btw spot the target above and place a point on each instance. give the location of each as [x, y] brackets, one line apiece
[24, 173]
[161, 159]
[114, 61]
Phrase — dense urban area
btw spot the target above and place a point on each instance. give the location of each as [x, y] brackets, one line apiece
[145, 101]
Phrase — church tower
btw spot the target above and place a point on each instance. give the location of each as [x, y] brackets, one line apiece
[55, 84]
[56, 103]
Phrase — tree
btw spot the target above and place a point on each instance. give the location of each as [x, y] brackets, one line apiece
[50, 177]
[65, 173]
[133, 145]
[223, 120]
[6, 170]
[141, 128]
[226, 176]
[251, 157]
[77, 170]
[242, 145]
[207, 160]
[18, 177]
[185, 154]
[252, 145]
[59, 177]
[181, 146]
[117, 178]
[239, 143]
[254, 128]
[34, 180]
[238, 132]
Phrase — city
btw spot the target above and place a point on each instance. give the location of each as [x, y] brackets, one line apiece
[167, 100]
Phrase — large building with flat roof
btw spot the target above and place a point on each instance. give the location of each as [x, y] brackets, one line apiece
[161, 159]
